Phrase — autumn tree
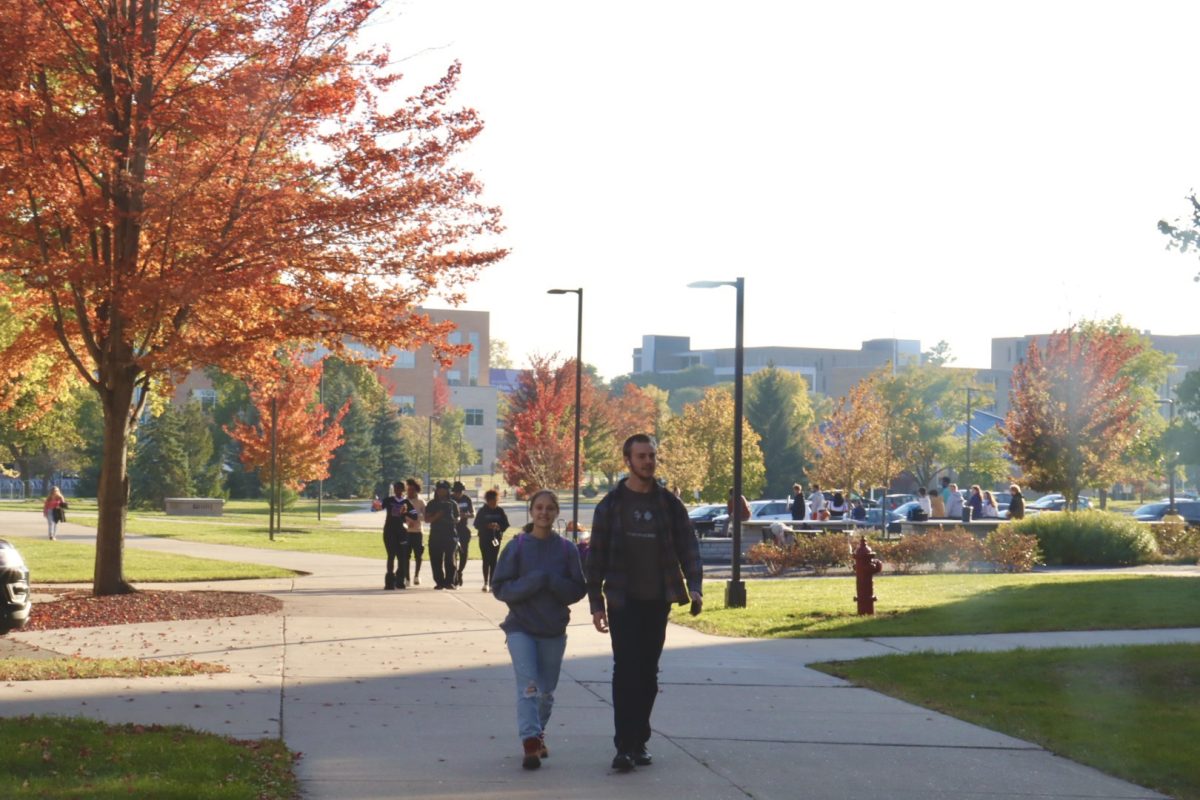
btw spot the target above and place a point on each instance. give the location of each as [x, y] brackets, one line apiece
[633, 410]
[195, 183]
[922, 407]
[851, 448]
[778, 409]
[540, 428]
[303, 432]
[1072, 412]
[696, 454]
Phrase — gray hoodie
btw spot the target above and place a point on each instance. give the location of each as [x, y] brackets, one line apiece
[539, 579]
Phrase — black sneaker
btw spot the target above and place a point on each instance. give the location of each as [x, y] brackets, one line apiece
[641, 757]
[623, 762]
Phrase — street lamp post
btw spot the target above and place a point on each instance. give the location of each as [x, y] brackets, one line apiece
[578, 401]
[735, 589]
[967, 471]
[1171, 475]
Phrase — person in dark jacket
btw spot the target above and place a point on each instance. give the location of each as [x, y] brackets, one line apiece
[539, 576]
[644, 556]
[1016, 505]
[491, 522]
[975, 501]
[442, 514]
[799, 506]
[396, 510]
[466, 512]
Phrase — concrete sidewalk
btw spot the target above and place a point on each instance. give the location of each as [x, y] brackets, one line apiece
[410, 694]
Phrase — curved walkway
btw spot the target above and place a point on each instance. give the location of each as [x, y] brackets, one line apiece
[410, 694]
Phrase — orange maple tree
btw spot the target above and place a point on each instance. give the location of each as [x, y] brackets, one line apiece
[305, 435]
[196, 183]
[540, 427]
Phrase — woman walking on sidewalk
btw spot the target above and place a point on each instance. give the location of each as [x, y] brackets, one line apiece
[539, 576]
[54, 511]
[491, 522]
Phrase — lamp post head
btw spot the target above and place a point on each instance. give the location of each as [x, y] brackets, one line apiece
[710, 284]
[564, 291]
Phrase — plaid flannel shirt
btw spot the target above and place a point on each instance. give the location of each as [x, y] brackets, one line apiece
[607, 577]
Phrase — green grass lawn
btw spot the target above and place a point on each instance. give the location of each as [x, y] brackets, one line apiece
[1133, 712]
[923, 605]
[51, 757]
[74, 562]
[244, 524]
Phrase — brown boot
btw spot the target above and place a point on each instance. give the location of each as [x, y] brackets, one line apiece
[533, 747]
[543, 752]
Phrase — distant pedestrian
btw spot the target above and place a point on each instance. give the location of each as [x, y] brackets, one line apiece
[990, 509]
[644, 557]
[491, 522]
[837, 507]
[539, 576]
[54, 510]
[859, 512]
[442, 514]
[975, 501]
[946, 491]
[396, 508]
[954, 502]
[816, 502]
[799, 507]
[466, 513]
[743, 509]
[924, 501]
[1016, 503]
[416, 539]
[937, 506]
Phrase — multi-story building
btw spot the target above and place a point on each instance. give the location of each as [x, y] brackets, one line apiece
[829, 371]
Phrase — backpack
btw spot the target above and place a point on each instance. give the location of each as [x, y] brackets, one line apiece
[918, 514]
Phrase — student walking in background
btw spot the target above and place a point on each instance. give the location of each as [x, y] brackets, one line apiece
[937, 506]
[466, 512]
[395, 535]
[416, 539]
[539, 576]
[442, 515]
[491, 522]
[1016, 503]
[54, 510]
[954, 503]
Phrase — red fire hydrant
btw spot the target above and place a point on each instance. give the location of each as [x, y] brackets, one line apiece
[865, 568]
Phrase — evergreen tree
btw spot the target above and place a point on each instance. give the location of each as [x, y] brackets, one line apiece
[204, 470]
[160, 467]
[395, 462]
[356, 464]
[777, 408]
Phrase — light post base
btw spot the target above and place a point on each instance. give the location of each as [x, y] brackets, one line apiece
[735, 594]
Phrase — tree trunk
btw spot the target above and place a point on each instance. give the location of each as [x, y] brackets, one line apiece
[112, 494]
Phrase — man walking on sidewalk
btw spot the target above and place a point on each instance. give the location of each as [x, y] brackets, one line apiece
[642, 548]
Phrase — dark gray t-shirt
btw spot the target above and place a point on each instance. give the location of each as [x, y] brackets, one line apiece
[643, 522]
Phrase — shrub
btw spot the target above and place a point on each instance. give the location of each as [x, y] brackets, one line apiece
[937, 546]
[1089, 538]
[1178, 540]
[817, 552]
[1009, 551]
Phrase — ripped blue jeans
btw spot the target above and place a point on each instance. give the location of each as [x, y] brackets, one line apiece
[536, 662]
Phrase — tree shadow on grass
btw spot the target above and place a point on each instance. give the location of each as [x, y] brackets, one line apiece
[1102, 604]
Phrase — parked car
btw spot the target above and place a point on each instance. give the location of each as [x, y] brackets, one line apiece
[1153, 512]
[702, 518]
[759, 510]
[894, 520]
[14, 588]
[1053, 502]
[894, 501]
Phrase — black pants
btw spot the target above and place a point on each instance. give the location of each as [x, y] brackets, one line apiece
[396, 544]
[488, 554]
[638, 630]
[464, 540]
[441, 560]
[416, 547]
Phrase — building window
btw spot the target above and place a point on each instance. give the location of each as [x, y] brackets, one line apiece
[453, 377]
[406, 404]
[406, 359]
[474, 416]
[207, 398]
[473, 359]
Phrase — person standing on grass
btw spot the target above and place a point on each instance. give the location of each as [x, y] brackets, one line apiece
[54, 511]
[396, 508]
[491, 522]
[644, 556]
[539, 576]
[442, 514]
[416, 540]
[466, 512]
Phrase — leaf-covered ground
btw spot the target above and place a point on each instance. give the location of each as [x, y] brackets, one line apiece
[79, 609]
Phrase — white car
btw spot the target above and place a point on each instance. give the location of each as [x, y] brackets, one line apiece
[763, 510]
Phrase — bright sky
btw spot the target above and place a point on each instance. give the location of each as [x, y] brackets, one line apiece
[926, 170]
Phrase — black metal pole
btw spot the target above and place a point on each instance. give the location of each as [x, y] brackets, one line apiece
[274, 465]
[968, 469]
[735, 590]
[578, 403]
